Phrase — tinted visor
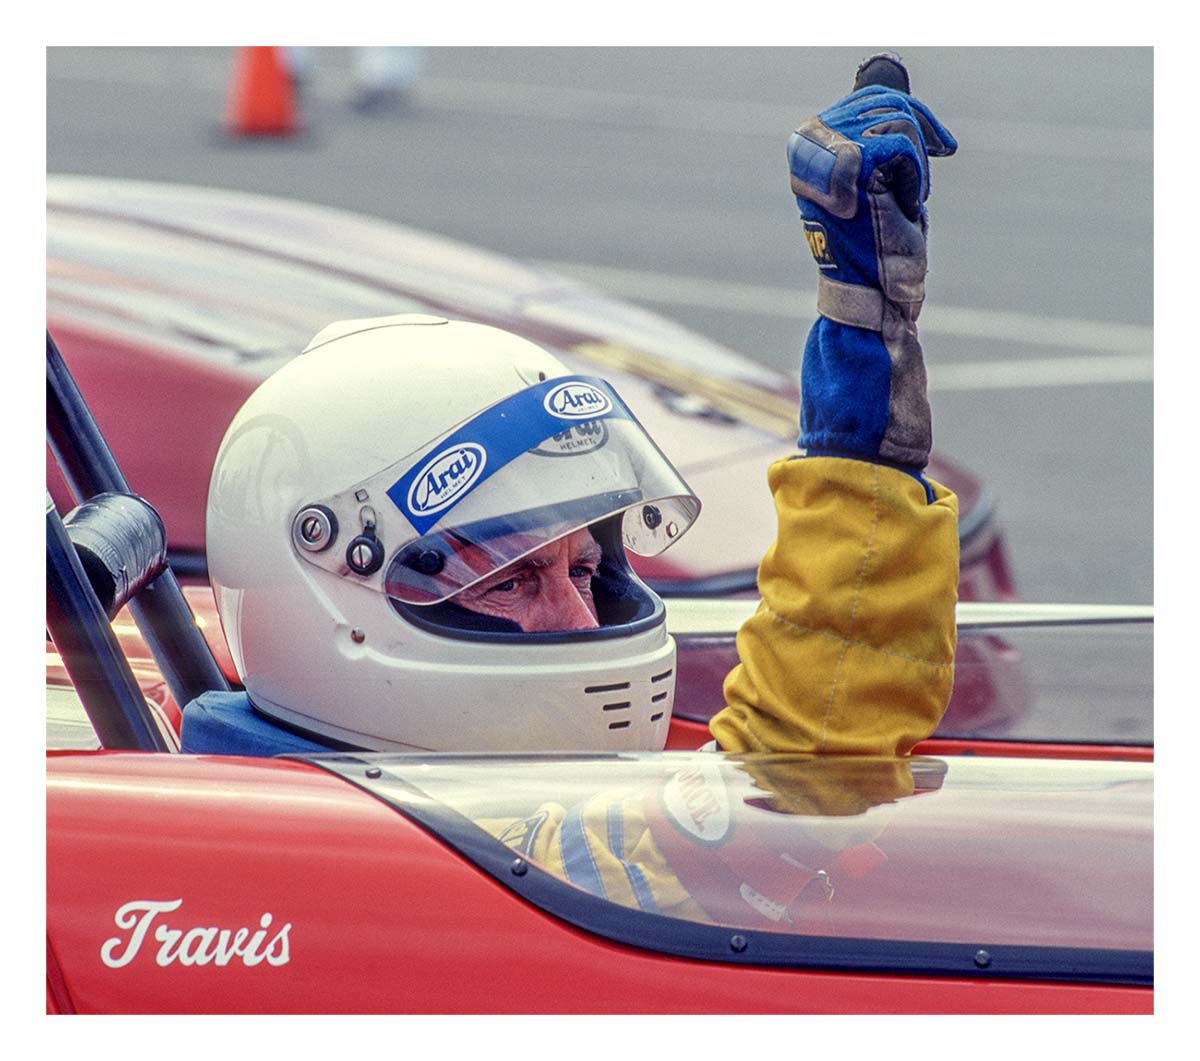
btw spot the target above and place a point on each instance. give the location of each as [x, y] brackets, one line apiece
[525, 472]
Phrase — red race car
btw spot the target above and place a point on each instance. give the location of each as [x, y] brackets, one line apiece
[977, 876]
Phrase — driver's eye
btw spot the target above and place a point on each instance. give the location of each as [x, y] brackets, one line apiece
[582, 571]
[507, 586]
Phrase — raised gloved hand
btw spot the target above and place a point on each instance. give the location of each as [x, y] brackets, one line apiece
[860, 174]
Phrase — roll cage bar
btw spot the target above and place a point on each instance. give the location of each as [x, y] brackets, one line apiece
[76, 619]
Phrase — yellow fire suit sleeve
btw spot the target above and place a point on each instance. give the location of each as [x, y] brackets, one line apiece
[852, 649]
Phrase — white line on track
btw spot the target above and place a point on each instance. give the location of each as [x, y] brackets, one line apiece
[1115, 353]
[1041, 372]
[746, 118]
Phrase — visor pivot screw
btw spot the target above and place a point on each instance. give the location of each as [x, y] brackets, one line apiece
[430, 562]
[314, 528]
[373, 772]
[364, 555]
[519, 867]
[424, 562]
[982, 959]
[737, 944]
[672, 529]
[357, 636]
[651, 516]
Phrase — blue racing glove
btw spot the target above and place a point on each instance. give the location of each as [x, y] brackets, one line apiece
[860, 174]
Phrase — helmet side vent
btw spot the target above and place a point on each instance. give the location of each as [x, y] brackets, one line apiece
[605, 688]
[658, 698]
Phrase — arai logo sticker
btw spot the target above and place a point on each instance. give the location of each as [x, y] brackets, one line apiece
[577, 401]
[446, 477]
[578, 438]
[192, 946]
[695, 800]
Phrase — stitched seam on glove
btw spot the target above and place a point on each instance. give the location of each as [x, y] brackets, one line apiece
[898, 249]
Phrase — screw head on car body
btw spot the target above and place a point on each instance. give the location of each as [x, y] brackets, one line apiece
[982, 959]
[738, 944]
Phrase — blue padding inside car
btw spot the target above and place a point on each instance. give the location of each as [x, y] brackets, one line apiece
[227, 724]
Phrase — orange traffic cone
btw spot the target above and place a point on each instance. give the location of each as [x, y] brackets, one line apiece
[261, 98]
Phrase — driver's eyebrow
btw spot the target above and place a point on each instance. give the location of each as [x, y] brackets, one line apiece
[591, 553]
[505, 573]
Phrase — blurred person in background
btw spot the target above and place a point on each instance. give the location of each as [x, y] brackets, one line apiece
[383, 77]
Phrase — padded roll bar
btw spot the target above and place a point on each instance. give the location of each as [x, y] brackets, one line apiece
[79, 628]
[122, 544]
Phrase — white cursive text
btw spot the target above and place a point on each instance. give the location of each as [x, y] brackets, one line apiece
[192, 946]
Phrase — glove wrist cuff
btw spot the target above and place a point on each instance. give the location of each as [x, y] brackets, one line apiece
[851, 304]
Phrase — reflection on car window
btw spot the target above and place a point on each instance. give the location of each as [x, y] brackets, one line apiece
[1023, 852]
[1073, 683]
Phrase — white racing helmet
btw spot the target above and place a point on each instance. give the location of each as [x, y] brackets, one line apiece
[398, 461]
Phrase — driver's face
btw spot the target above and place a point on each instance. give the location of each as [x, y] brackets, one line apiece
[550, 589]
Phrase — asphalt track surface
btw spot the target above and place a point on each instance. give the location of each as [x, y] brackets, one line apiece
[660, 176]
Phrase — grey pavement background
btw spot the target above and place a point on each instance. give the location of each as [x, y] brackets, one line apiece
[659, 175]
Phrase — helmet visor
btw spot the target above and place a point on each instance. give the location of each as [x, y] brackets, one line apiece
[523, 473]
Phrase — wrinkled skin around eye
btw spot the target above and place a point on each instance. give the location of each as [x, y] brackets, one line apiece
[550, 589]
